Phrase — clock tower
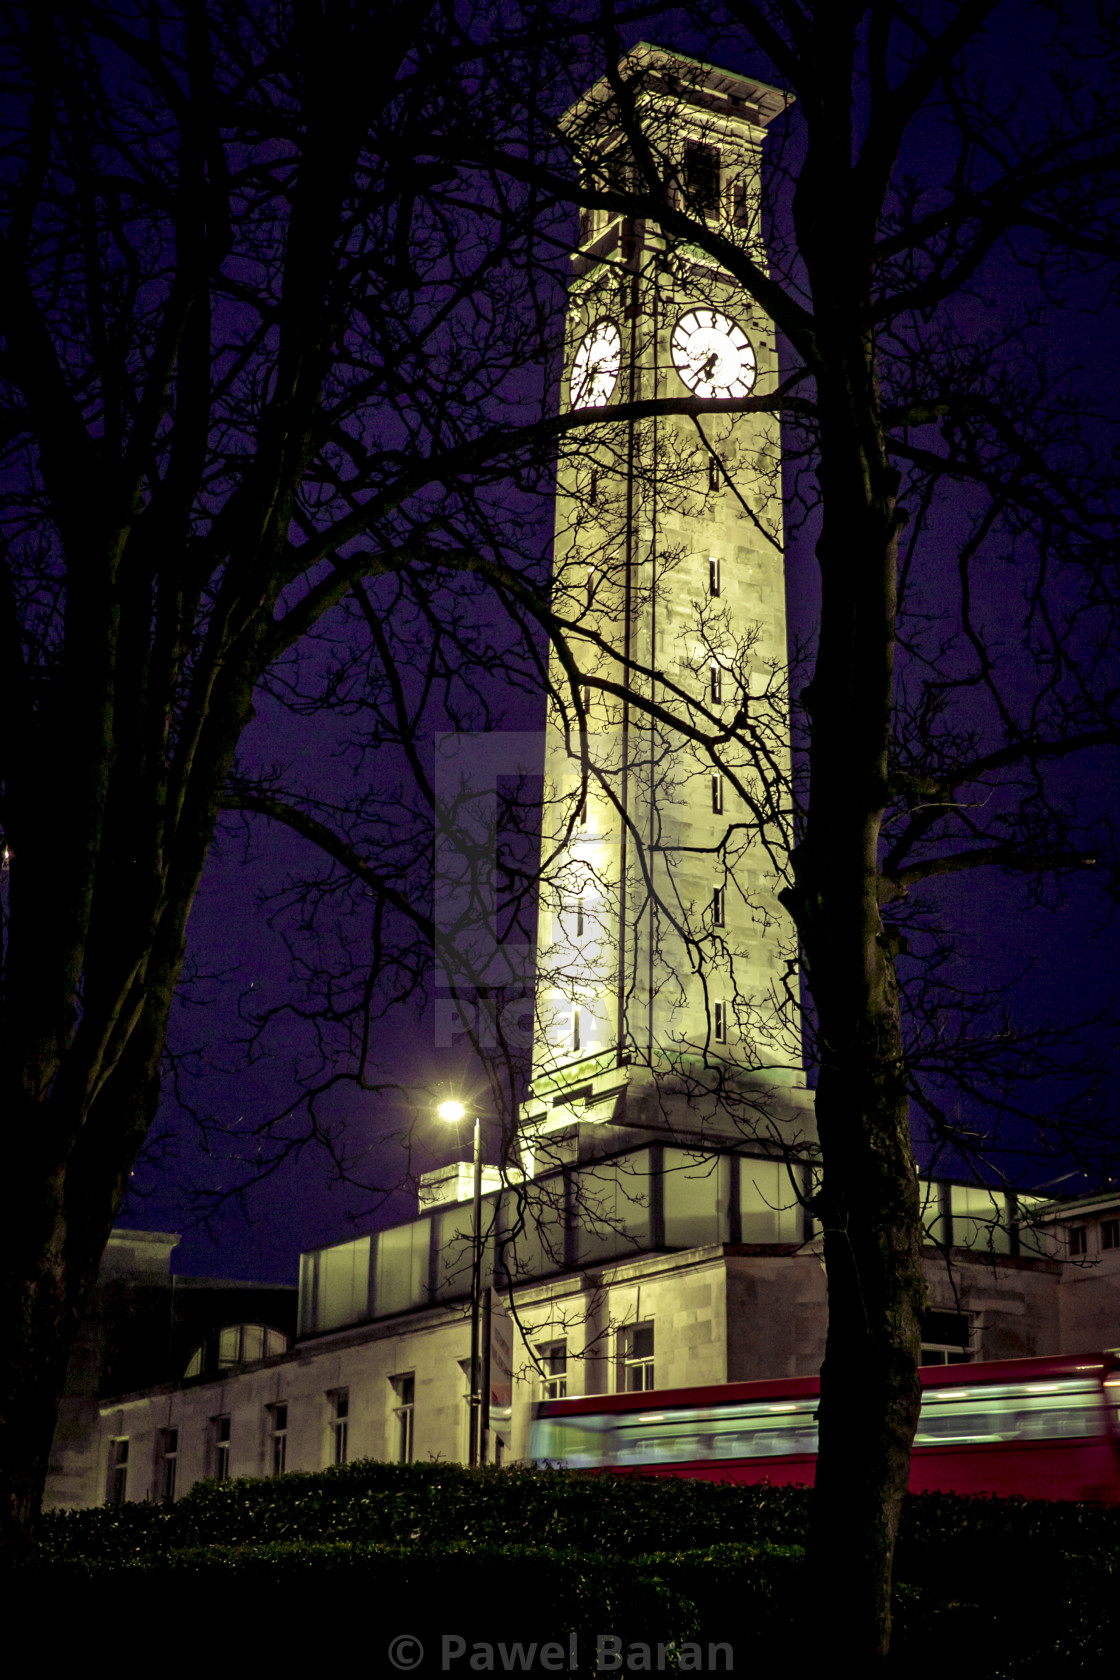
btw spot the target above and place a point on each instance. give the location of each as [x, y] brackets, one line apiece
[667, 990]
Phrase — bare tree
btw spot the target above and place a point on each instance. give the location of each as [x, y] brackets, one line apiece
[268, 362]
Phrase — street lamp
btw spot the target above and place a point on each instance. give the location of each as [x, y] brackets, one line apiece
[453, 1112]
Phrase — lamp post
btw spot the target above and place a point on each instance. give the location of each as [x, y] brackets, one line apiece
[453, 1112]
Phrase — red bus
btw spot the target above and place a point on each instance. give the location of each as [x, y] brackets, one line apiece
[1046, 1428]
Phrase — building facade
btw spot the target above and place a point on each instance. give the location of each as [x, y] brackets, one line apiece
[370, 1378]
[145, 1327]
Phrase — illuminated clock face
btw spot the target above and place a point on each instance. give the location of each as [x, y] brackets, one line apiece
[713, 356]
[595, 369]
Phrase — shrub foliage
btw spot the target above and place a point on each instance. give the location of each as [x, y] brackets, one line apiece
[650, 1558]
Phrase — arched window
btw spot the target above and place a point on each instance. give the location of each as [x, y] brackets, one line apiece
[236, 1344]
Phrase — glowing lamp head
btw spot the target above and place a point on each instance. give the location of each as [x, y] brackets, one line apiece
[451, 1111]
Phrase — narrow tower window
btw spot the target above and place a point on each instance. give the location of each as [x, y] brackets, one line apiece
[719, 1021]
[714, 475]
[701, 176]
[717, 795]
[579, 918]
[575, 1027]
[717, 906]
[715, 683]
[713, 576]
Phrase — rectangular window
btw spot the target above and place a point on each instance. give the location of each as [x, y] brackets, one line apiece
[1062, 1411]
[635, 1358]
[278, 1439]
[717, 906]
[714, 475]
[614, 1208]
[719, 1022]
[554, 1363]
[701, 176]
[220, 1437]
[1079, 1239]
[695, 1190]
[713, 577]
[575, 1027]
[116, 1487]
[404, 1415]
[946, 1338]
[717, 796]
[579, 918]
[715, 680]
[769, 1211]
[339, 1402]
[980, 1218]
[1110, 1233]
[341, 1286]
[168, 1462]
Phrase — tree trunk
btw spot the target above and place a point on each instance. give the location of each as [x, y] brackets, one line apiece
[868, 1203]
[869, 1385]
[55, 1235]
[77, 1133]
[51, 1263]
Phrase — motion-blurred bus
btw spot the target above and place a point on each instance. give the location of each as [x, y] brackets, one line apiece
[1044, 1428]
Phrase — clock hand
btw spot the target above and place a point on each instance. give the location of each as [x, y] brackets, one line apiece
[587, 387]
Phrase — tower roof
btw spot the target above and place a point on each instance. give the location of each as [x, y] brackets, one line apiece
[707, 86]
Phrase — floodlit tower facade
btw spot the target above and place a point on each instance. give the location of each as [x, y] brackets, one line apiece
[667, 984]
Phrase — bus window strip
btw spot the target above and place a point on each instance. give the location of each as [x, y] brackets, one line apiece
[997, 1413]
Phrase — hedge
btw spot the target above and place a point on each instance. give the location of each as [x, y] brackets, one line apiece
[1019, 1587]
[430, 1504]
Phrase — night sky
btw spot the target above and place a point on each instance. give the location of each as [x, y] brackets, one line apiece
[1063, 960]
